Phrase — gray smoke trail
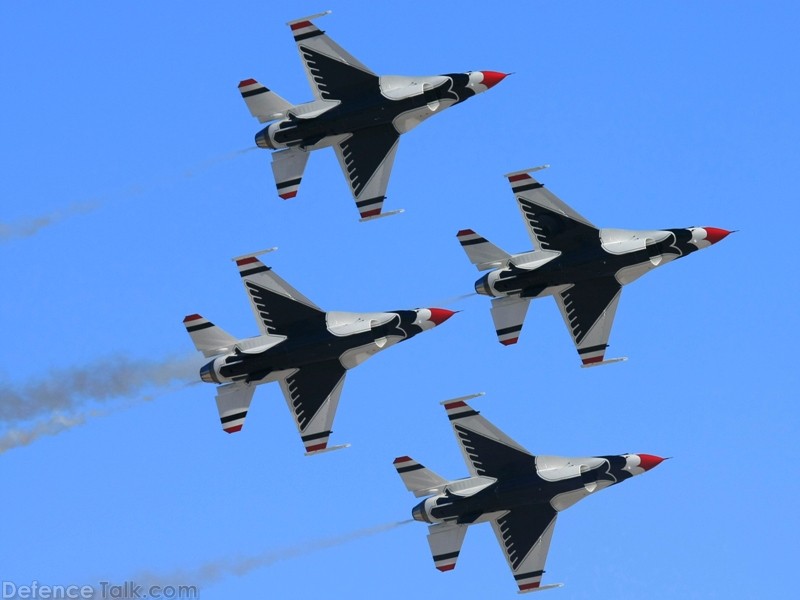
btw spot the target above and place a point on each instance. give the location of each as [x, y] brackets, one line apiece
[69, 391]
[212, 572]
[453, 299]
[28, 227]
[56, 424]
[59, 422]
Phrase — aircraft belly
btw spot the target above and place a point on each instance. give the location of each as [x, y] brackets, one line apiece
[407, 120]
[631, 273]
[292, 356]
[566, 499]
[347, 118]
[355, 356]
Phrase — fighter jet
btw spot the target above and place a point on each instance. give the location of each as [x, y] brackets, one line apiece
[358, 113]
[307, 350]
[518, 493]
[581, 266]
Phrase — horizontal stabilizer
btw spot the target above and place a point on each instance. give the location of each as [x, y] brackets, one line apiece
[480, 251]
[418, 479]
[445, 540]
[508, 314]
[263, 103]
[287, 168]
[549, 586]
[233, 402]
[207, 337]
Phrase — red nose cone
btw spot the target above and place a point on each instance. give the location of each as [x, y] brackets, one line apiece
[492, 78]
[440, 315]
[648, 461]
[714, 234]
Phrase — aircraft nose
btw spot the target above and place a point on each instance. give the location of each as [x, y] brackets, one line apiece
[492, 78]
[715, 234]
[648, 461]
[440, 315]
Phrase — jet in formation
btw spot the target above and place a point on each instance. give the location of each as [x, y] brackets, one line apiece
[307, 350]
[581, 266]
[358, 113]
[518, 493]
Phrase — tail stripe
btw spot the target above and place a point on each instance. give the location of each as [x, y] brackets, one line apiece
[409, 468]
[233, 417]
[315, 436]
[459, 410]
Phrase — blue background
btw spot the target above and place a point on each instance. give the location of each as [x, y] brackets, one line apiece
[121, 123]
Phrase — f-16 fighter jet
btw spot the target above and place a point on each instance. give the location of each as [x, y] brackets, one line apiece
[360, 114]
[307, 350]
[581, 266]
[518, 493]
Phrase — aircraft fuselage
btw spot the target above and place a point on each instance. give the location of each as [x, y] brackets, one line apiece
[368, 106]
[590, 262]
[558, 487]
[315, 343]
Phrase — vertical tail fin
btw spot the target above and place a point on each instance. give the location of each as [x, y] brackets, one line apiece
[480, 251]
[207, 337]
[264, 104]
[419, 480]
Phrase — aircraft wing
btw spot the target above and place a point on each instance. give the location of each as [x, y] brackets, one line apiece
[524, 535]
[552, 224]
[312, 394]
[334, 74]
[366, 158]
[588, 309]
[278, 307]
[487, 450]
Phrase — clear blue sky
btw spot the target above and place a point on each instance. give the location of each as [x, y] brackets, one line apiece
[119, 124]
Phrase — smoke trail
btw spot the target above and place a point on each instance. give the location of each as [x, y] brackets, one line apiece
[29, 227]
[52, 426]
[453, 299]
[214, 571]
[60, 422]
[32, 226]
[68, 391]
